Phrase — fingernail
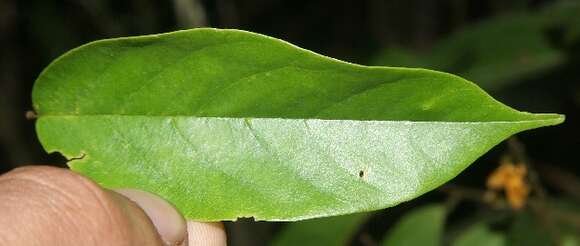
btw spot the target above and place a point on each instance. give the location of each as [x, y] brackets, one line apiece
[170, 225]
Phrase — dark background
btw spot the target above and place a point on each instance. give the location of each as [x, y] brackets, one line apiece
[372, 32]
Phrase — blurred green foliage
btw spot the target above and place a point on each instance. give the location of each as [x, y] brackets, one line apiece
[527, 230]
[480, 235]
[422, 226]
[337, 230]
[498, 51]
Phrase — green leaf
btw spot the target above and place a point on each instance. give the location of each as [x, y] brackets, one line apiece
[494, 53]
[337, 230]
[563, 15]
[227, 124]
[422, 226]
[570, 240]
[566, 229]
[480, 235]
[529, 230]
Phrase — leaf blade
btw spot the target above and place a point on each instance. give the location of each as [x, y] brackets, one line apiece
[480, 234]
[227, 124]
[421, 226]
[338, 230]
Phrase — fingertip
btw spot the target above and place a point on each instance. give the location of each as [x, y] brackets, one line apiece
[168, 222]
[206, 233]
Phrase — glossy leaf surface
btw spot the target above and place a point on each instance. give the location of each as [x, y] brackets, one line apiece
[227, 124]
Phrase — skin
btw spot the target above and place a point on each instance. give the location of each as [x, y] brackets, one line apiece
[42, 205]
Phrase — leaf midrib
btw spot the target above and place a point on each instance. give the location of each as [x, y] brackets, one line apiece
[556, 119]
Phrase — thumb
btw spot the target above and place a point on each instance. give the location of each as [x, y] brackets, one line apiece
[53, 206]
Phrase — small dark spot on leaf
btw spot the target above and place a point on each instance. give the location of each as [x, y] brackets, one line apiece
[361, 173]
